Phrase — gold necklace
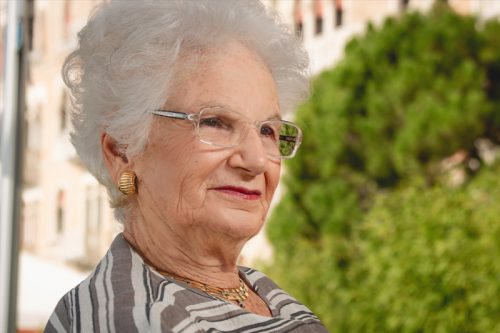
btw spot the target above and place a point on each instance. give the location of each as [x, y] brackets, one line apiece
[238, 295]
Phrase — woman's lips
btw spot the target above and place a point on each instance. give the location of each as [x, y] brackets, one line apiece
[239, 192]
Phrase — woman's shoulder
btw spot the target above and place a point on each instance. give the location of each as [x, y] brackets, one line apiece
[259, 280]
[109, 296]
[281, 303]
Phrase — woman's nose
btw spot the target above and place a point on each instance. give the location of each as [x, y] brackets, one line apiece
[250, 154]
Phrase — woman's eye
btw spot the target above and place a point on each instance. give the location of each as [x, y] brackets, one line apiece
[211, 122]
[268, 131]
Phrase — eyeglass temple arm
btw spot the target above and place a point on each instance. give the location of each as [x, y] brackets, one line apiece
[171, 114]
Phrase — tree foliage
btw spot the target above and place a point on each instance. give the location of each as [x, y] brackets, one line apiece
[407, 95]
[430, 260]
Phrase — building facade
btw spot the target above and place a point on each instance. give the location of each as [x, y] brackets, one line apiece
[65, 216]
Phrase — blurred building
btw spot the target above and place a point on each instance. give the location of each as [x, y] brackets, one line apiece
[326, 25]
[66, 216]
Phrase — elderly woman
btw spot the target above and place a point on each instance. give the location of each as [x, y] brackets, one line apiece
[177, 111]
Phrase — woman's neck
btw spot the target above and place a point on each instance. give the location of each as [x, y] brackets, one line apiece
[204, 259]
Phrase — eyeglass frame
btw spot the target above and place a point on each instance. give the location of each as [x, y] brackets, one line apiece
[194, 118]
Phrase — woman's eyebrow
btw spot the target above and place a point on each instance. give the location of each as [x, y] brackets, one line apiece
[275, 116]
[213, 104]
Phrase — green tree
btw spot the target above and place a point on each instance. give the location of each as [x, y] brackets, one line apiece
[407, 95]
[430, 260]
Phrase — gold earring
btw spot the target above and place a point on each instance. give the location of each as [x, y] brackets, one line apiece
[128, 182]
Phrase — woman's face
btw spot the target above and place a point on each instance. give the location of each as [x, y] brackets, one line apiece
[197, 190]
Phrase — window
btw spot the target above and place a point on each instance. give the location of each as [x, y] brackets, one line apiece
[60, 212]
[318, 17]
[63, 112]
[297, 18]
[338, 13]
[30, 19]
[403, 5]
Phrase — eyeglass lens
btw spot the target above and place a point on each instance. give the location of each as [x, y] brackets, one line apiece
[220, 127]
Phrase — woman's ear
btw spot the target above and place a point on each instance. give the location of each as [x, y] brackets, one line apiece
[114, 158]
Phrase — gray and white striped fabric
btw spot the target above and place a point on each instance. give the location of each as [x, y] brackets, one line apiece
[123, 294]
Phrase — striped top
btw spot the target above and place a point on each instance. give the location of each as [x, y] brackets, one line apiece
[123, 294]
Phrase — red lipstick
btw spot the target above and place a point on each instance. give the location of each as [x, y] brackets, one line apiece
[241, 192]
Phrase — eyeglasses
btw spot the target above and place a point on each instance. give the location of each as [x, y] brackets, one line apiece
[220, 127]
